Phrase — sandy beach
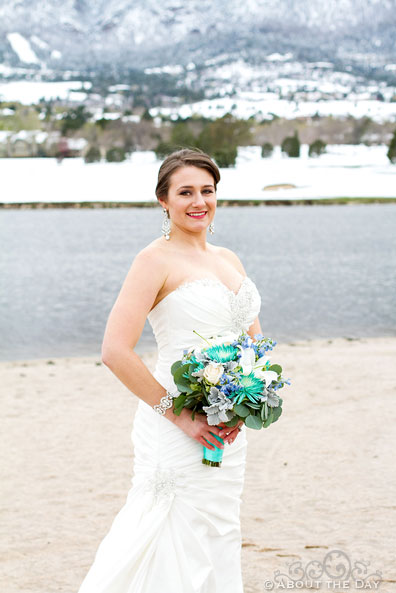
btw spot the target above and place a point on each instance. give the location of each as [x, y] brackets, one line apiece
[321, 479]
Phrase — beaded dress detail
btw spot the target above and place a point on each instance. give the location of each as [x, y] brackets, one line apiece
[179, 529]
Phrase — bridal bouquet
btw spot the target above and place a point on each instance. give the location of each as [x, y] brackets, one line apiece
[229, 379]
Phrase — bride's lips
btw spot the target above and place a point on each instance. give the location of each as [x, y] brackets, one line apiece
[198, 215]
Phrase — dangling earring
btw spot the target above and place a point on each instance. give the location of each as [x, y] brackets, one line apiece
[166, 228]
[211, 228]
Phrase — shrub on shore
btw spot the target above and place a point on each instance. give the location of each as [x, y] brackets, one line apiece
[92, 155]
[266, 149]
[391, 154]
[115, 155]
[317, 148]
[291, 145]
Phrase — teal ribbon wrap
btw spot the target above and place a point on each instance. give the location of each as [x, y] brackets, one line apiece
[214, 456]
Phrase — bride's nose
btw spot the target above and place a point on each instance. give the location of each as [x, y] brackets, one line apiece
[198, 199]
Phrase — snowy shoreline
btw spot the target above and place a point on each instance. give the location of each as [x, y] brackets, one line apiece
[344, 171]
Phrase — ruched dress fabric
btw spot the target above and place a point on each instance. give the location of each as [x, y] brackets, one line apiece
[179, 529]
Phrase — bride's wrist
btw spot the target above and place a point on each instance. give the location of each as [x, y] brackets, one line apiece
[166, 405]
[170, 415]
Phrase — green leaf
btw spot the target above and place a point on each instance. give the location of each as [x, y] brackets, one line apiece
[191, 369]
[178, 376]
[232, 422]
[184, 386]
[241, 410]
[253, 406]
[253, 422]
[179, 404]
[190, 399]
[175, 366]
[269, 419]
[276, 367]
[276, 412]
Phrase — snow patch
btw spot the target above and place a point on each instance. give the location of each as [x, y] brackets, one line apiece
[31, 92]
[22, 48]
[39, 42]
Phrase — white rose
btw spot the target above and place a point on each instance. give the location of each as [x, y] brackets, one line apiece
[213, 372]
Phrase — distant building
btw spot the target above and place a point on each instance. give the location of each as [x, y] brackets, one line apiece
[35, 143]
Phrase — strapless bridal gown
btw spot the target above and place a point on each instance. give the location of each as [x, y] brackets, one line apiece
[179, 529]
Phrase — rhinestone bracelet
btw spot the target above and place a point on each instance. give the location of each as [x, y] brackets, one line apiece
[165, 402]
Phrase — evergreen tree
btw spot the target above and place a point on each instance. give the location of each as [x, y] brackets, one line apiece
[291, 145]
[115, 155]
[74, 119]
[182, 136]
[163, 149]
[266, 149]
[317, 148]
[391, 154]
[225, 156]
[92, 155]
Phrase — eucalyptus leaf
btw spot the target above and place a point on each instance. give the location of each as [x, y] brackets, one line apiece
[232, 422]
[253, 422]
[184, 386]
[241, 410]
[178, 404]
[264, 412]
[276, 367]
[175, 366]
[254, 406]
[276, 413]
[180, 372]
[269, 419]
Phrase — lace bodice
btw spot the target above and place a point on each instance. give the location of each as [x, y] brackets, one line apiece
[205, 305]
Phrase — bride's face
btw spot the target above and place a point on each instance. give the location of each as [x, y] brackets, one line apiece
[191, 191]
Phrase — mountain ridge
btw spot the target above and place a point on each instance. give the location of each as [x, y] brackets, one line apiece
[87, 34]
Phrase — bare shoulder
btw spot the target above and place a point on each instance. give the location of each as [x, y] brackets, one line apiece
[150, 264]
[231, 257]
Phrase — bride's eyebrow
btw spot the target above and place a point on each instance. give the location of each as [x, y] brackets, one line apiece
[192, 187]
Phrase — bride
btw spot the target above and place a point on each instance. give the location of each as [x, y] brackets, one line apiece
[179, 530]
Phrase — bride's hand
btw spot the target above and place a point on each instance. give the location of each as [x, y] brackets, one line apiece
[230, 433]
[198, 429]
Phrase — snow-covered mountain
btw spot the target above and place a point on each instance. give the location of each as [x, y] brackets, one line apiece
[89, 34]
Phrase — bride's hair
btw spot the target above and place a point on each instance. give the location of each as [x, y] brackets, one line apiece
[184, 158]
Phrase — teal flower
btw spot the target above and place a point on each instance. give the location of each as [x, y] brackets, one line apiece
[251, 387]
[221, 353]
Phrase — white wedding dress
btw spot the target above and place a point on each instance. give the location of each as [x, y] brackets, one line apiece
[179, 529]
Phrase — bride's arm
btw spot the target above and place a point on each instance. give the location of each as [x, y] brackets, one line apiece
[123, 329]
[145, 277]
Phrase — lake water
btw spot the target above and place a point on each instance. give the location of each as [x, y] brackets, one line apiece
[322, 271]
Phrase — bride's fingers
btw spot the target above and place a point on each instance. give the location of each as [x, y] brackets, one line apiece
[212, 441]
[232, 432]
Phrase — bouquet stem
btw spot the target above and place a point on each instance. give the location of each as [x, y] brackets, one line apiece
[213, 457]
